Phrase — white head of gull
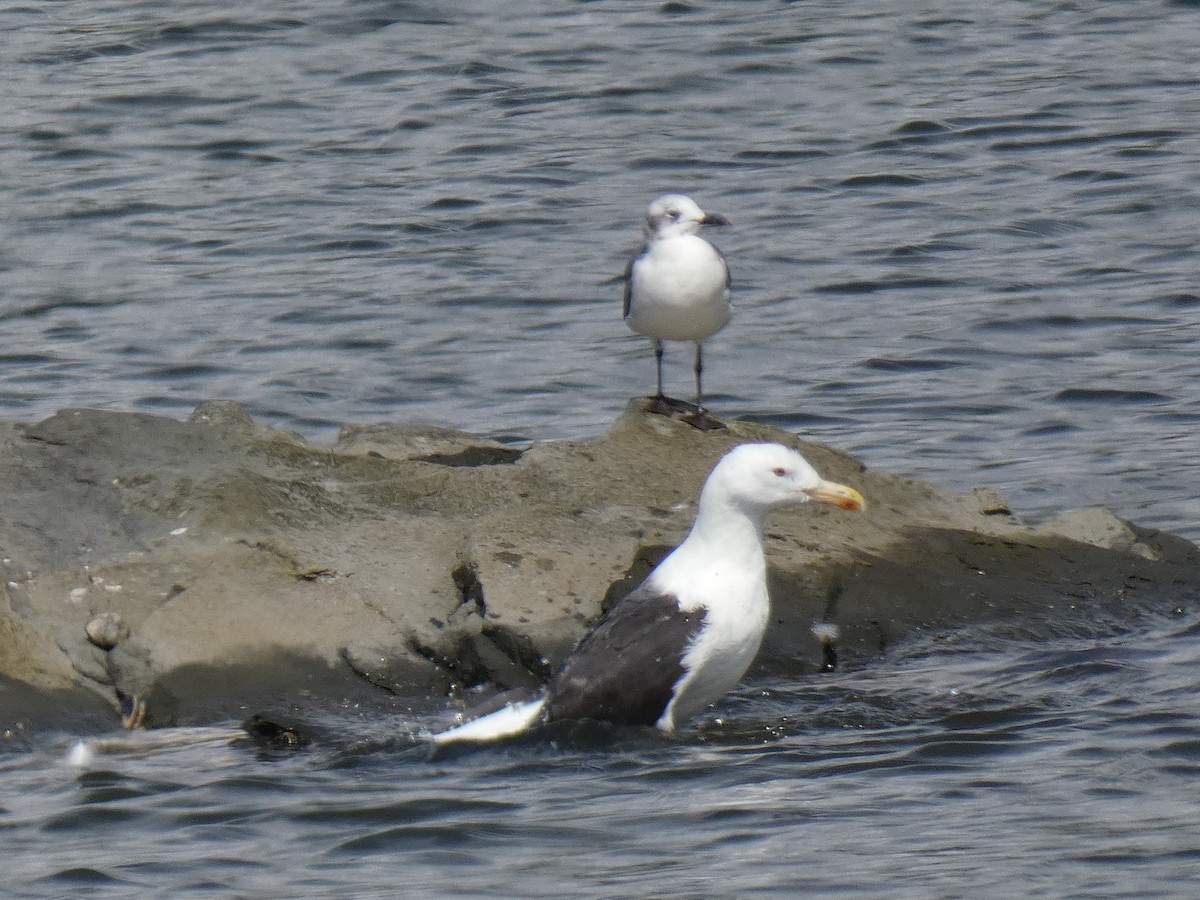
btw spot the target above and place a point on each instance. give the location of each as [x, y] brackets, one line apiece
[687, 634]
[677, 286]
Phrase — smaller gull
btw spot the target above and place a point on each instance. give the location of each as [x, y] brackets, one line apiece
[677, 289]
[687, 634]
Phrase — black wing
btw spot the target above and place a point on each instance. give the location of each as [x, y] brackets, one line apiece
[625, 670]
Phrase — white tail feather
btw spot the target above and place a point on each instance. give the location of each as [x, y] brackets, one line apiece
[511, 719]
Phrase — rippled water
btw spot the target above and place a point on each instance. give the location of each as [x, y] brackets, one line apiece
[1064, 771]
[964, 242]
[964, 248]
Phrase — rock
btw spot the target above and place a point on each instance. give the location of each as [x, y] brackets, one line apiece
[424, 442]
[39, 689]
[991, 502]
[1100, 528]
[107, 631]
[259, 573]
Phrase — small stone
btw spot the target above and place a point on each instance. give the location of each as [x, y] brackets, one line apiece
[107, 631]
[991, 502]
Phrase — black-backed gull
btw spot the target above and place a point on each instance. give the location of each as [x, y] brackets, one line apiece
[688, 633]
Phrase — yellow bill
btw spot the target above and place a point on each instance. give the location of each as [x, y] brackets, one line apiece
[840, 495]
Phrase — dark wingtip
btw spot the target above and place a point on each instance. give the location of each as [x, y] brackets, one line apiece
[714, 219]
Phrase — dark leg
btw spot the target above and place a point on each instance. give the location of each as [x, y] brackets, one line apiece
[658, 358]
[660, 405]
[700, 418]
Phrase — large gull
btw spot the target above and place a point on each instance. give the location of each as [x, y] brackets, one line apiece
[687, 634]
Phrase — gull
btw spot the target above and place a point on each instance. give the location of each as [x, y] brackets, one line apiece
[687, 634]
[677, 289]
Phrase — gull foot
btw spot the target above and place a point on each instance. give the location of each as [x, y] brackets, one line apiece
[683, 411]
[669, 406]
[702, 420]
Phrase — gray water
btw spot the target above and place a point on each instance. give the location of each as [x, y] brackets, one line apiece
[964, 249]
[1022, 772]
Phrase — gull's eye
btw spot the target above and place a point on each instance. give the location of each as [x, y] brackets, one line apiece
[779, 471]
[673, 214]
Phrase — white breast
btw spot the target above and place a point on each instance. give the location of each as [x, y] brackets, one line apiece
[679, 290]
[718, 659]
[731, 586]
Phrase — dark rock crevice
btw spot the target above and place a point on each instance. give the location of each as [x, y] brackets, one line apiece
[473, 457]
[465, 576]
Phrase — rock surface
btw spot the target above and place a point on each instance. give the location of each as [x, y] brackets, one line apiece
[224, 567]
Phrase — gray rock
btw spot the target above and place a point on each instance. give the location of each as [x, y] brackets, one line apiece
[1100, 528]
[255, 571]
[106, 631]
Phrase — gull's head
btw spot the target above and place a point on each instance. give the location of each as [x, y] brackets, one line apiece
[758, 478]
[675, 214]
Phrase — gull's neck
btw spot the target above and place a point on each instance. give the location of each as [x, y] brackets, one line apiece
[671, 232]
[726, 538]
[729, 529]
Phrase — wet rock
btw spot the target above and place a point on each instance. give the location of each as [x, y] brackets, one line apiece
[275, 735]
[257, 572]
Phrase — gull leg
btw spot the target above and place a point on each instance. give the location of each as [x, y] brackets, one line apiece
[660, 404]
[658, 358]
[700, 418]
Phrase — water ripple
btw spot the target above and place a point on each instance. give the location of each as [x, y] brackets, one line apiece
[964, 248]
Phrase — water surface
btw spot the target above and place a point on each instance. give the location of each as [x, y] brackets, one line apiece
[1062, 771]
[964, 240]
[964, 248]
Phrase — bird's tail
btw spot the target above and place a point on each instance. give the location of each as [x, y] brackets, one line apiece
[511, 719]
